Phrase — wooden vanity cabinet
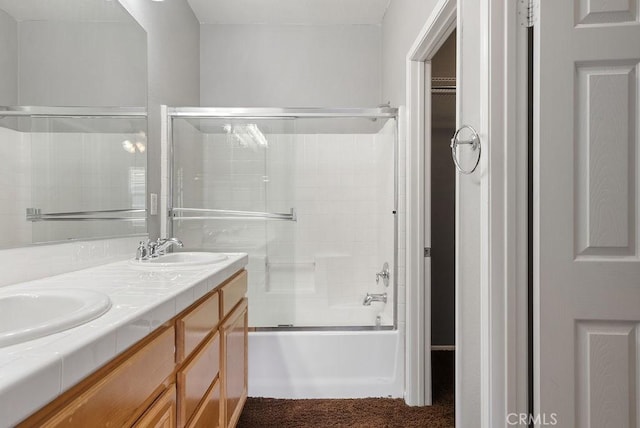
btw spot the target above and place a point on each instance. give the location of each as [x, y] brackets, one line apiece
[118, 394]
[191, 373]
[234, 363]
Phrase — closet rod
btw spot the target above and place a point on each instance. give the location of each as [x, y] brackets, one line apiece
[443, 91]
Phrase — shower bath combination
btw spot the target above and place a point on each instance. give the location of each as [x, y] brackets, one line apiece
[312, 196]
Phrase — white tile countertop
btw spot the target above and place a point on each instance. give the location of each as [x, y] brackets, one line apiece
[35, 372]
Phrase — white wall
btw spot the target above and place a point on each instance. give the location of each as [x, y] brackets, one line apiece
[8, 60]
[173, 59]
[65, 63]
[402, 23]
[290, 65]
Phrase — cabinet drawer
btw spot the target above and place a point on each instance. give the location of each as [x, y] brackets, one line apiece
[196, 377]
[232, 292]
[208, 415]
[162, 414]
[195, 325]
[119, 398]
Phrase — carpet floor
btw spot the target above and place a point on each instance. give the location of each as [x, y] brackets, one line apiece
[358, 413]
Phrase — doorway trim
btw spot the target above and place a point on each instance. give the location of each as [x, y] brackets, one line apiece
[502, 347]
[437, 29]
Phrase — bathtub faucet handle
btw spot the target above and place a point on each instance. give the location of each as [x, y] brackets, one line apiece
[384, 274]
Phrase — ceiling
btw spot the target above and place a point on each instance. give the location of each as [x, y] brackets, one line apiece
[299, 12]
[66, 10]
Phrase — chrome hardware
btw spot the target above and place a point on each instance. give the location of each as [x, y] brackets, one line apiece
[149, 250]
[427, 251]
[374, 298]
[36, 214]
[162, 245]
[206, 214]
[384, 274]
[474, 142]
[142, 253]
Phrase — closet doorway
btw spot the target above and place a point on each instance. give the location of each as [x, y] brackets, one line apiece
[440, 184]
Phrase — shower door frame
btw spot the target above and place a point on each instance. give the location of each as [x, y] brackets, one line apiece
[260, 113]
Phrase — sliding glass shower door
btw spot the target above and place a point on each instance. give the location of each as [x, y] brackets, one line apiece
[312, 200]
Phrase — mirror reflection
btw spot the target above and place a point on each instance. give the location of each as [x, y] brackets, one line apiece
[71, 172]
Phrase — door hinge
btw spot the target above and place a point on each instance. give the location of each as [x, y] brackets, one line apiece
[528, 12]
[427, 251]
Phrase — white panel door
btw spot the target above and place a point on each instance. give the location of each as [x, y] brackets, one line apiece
[586, 213]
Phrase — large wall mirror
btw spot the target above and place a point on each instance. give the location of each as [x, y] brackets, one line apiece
[73, 125]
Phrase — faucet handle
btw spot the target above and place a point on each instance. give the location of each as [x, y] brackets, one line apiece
[385, 274]
[153, 249]
[143, 250]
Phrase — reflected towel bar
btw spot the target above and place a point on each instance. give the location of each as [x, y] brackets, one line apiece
[213, 214]
[291, 265]
[36, 214]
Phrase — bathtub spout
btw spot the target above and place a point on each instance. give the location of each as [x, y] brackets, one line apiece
[374, 298]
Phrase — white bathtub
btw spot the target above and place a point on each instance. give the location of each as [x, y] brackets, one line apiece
[326, 364]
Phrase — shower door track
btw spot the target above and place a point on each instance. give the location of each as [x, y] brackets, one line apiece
[280, 113]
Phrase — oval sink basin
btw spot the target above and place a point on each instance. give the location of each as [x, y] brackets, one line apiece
[185, 259]
[29, 314]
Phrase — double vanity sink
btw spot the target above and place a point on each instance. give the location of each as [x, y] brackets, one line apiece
[30, 314]
[56, 331]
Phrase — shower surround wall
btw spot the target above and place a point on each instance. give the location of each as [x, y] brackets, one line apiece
[317, 270]
[15, 187]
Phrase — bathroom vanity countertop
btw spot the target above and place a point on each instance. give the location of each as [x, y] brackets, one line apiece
[35, 372]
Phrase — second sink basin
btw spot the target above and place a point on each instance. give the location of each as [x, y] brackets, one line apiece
[29, 314]
[184, 259]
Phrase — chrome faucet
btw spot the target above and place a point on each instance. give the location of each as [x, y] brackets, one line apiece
[149, 250]
[162, 245]
[374, 298]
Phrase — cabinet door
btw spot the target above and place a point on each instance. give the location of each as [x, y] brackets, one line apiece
[196, 377]
[195, 325]
[234, 368]
[162, 414]
[121, 394]
[208, 415]
[232, 293]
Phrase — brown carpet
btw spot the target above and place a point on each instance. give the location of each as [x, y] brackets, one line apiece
[358, 413]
